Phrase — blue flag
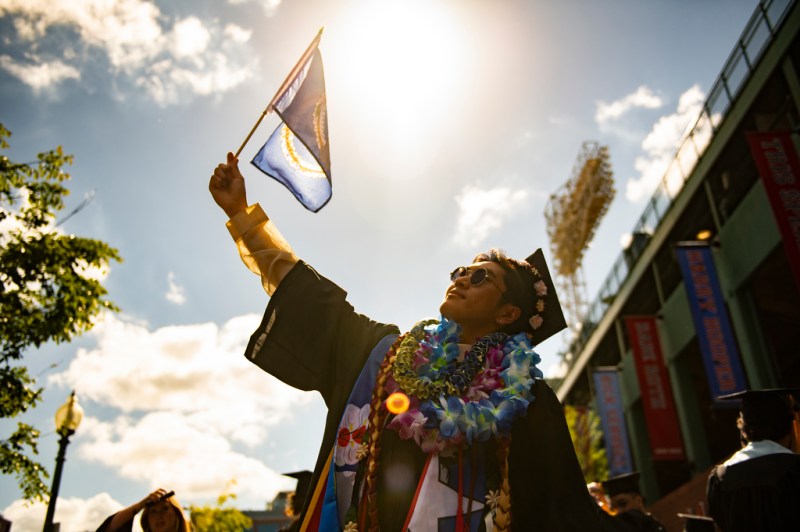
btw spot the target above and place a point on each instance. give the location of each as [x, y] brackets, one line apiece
[297, 153]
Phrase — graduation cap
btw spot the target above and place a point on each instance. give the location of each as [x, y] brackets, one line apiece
[759, 395]
[766, 412]
[303, 482]
[697, 523]
[765, 403]
[552, 317]
[627, 483]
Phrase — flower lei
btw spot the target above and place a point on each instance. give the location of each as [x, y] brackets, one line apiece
[455, 402]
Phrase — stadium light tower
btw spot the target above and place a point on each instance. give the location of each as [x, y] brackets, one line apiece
[573, 214]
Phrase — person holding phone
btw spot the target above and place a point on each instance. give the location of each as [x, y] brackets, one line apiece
[161, 512]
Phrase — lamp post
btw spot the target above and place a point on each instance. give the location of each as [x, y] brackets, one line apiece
[68, 417]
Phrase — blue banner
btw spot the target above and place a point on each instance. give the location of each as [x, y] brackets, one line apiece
[612, 419]
[711, 322]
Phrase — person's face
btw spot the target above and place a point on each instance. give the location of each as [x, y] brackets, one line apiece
[625, 502]
[480, 309]
[162, 517]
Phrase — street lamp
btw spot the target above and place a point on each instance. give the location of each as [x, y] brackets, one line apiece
[68, 417]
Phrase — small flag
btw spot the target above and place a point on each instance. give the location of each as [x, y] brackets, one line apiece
[297, 153]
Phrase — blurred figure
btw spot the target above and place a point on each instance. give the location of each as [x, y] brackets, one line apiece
[758, 488]
[297, 499]
[597, 493]
[162, 513]
[628, 504]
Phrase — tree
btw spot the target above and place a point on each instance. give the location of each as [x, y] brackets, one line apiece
[587, 438]
[219, 519]
[49, 291]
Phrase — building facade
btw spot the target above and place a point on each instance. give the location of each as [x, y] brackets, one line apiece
[705, 299]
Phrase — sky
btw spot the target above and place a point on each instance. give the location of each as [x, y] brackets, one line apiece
[451, 123]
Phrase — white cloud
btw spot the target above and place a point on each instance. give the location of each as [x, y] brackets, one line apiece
[481, 211]
[41, 75]
[190, 37]
[175, 294]
[270, 7]
[185, 396]
[642, 98]
[662, 142]
[140, 42]
[74, 514]
[165, 449]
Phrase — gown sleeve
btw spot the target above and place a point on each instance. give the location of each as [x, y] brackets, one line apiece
[126, 527]
[262, 247]
[311, 338]
[548, 491]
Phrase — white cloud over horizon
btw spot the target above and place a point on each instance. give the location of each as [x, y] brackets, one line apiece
[73, 514]
[185, 396]
[170, 60]
[661, 143]
[482, 211]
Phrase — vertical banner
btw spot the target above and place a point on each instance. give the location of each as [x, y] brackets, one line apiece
[612, 419]
[779, 167]
[659, 406]
[711, 322]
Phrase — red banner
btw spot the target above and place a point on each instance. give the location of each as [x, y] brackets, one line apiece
[659, 406]
[779, 167]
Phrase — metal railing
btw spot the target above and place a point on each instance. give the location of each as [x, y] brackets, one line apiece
[757, 35]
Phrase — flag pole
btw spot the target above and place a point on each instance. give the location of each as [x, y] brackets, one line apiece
[286, 82]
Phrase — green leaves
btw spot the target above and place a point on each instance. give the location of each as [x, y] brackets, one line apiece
[219, 519]
[50, 290]
[13, 461]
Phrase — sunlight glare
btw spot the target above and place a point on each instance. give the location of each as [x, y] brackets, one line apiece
[404, 69]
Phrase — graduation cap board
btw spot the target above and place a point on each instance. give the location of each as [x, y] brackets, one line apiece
[697, 523]
[765, 403]
[627, 483]
[553, 320]
[303, 481]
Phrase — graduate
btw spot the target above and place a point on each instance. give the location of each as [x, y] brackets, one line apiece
[448, 426]
[626, 500]
[758, 488]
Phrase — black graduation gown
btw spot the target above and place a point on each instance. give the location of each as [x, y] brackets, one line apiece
[758, 494]
[312, 339]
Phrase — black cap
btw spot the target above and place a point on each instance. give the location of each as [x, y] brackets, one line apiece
[303, 481]
[697, 523]
[757, 395]
[553, 320]
[627, 483]
[766, 403]
[767, 413]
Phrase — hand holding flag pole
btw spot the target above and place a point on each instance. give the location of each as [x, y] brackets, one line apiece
[297, 153]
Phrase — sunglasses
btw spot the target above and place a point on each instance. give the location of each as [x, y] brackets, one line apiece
[476, 277]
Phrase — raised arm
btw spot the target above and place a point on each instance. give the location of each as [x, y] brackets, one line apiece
[260, 244]
[122, 520]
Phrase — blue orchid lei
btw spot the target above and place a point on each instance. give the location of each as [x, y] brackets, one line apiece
[454, 402]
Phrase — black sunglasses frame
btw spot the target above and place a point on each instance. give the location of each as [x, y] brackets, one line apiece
[476, 277]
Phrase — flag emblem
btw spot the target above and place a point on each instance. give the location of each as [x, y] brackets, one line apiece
[297, 154]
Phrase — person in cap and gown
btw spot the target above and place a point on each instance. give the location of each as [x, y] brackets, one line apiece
[448, 426]
[626, 500]
[758, 487]
[296, 499]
